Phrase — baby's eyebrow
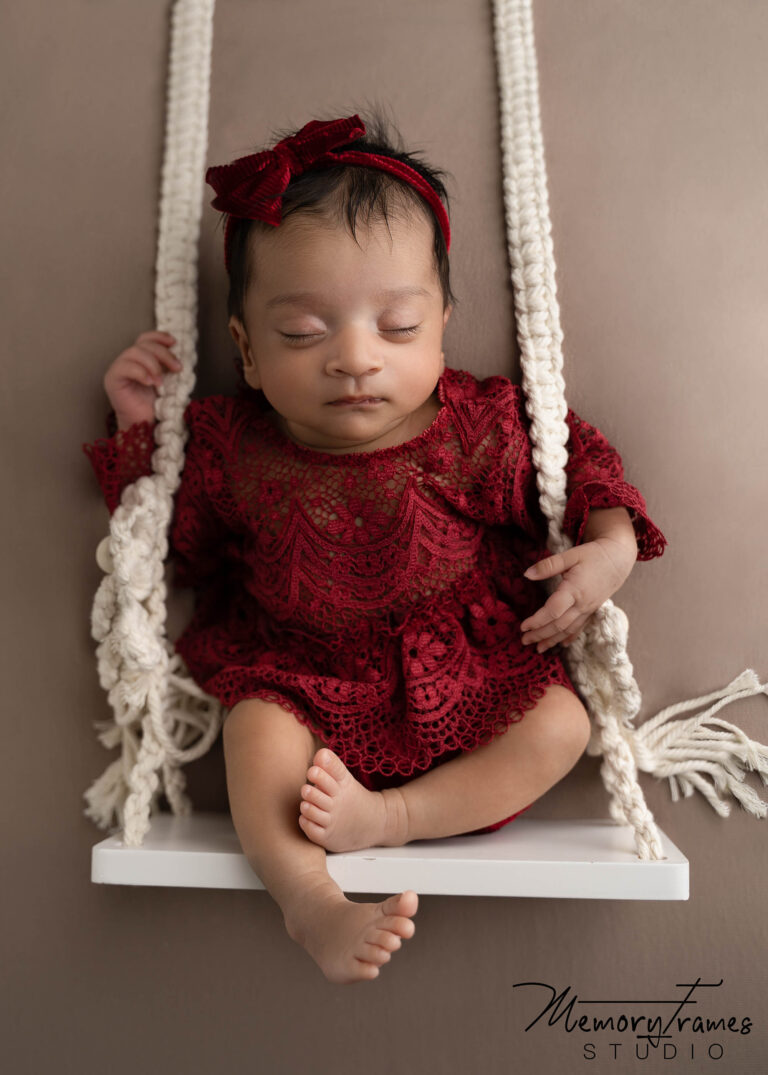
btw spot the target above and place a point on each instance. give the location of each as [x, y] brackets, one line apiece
[302, 296]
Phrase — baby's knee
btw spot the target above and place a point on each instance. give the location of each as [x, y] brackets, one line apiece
[567, 722]
[256, 720]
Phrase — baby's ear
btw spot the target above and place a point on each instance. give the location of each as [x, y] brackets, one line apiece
[243, 345]
[241, 341]
[237, 332]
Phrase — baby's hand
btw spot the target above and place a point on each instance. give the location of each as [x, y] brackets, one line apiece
[132, 379]
[591, 573]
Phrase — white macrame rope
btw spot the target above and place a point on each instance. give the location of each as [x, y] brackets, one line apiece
[540, 338]
[597, 660]
[161, 718]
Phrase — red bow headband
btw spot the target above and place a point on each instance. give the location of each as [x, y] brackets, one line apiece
[252, 187]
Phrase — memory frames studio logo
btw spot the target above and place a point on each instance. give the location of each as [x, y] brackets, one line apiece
[666, 1028]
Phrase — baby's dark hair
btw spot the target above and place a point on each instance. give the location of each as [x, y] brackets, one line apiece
[344, 191]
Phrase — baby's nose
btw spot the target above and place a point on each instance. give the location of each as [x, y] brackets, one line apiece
[356, 352]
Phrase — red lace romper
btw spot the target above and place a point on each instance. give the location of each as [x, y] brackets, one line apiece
[376, 595]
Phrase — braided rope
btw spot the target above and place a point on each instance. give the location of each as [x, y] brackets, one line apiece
[158, 709]
[601, 667]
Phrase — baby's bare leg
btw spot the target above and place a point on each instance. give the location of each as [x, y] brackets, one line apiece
[467, 793]
[267, 752]
[501, 777]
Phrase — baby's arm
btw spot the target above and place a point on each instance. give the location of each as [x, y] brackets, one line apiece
[613, 523]
[129, 382]
[608, 539]
[197, 533]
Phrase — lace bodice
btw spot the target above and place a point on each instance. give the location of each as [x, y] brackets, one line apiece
[378, 595]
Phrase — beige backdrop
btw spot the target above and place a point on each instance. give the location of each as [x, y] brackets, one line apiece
[654, 121]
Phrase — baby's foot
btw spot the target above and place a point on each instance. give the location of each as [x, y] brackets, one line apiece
[350, 941]
[341, 815]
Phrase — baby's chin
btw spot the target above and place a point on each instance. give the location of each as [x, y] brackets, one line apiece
[357, 429]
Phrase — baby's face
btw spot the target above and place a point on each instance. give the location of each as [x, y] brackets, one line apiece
[326, 318]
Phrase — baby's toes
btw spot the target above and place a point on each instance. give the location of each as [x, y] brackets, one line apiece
[367, 970]
[402, 927]
[322, 779]
[314, 813]
[373, 953]
[313, 795]
[399, 907]
[398, 924]
[318, 834]
[386, 939]
[332, 765]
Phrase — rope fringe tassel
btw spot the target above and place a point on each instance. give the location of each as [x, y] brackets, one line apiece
[684, 750]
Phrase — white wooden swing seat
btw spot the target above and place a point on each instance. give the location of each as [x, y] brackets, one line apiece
[588, 860]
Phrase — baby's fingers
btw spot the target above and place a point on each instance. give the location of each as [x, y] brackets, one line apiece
[555, 608]
[160, 353]
[556, 564]
[149, 359]
[138, 369]
[553, 631]
[565, 636]
[156, 334]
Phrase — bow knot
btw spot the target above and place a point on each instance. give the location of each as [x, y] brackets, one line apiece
[252, 186]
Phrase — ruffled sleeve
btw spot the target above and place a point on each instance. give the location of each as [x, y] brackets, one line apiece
[594, 479]
[197, 531]
[121, 458]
